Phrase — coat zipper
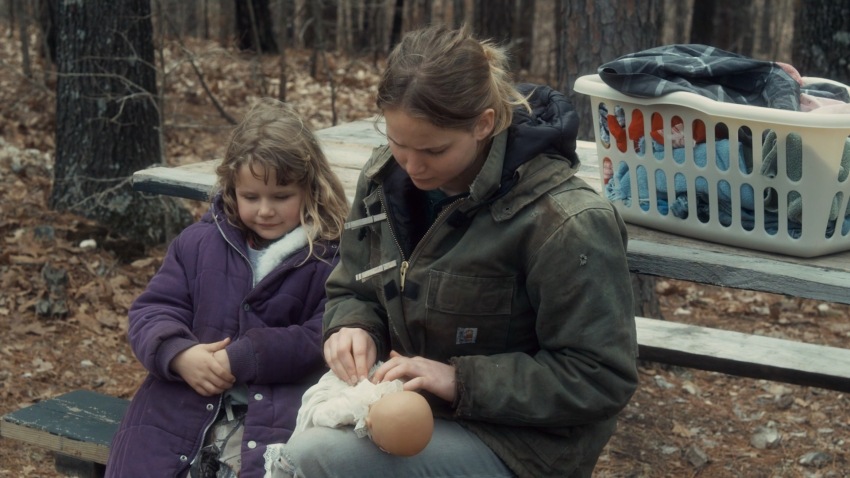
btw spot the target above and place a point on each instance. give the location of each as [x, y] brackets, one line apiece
[207, 429]
[405, 263]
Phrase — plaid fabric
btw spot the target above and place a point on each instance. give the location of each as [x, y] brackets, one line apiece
[704, 70]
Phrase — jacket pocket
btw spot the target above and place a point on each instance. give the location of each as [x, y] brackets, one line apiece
[468, 315]
[468, 295]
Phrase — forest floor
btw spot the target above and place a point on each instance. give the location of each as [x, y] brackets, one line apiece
[680, 423]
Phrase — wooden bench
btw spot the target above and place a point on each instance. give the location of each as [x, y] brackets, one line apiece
[77, 427]
[54, 423]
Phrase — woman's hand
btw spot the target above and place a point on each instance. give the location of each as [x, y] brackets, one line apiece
[419, 373]
[200, 368]
[350, 353]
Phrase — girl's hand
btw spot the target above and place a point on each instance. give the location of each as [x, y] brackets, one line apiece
[350, 353]
[419, 374]
[199, 367]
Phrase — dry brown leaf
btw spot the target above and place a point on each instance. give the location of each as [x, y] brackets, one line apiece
[681, 430]
[88, 321]
[107, 318]
[26, 260]
[141, 263]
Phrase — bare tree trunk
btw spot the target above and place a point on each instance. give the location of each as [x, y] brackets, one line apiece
[344, 27]
[493, 19]
[702, 26]
[543, 42]
[396, 23]
[226, 13]
[822, 39]
[12, 14]
[254, 26]
[618, 27]
[47, 22]
[107, 122]
[773, 34]
[416, 14]
[23, 32]
[299, 23]
[725, 24]
[321, 55]
[593, 32]
[205, 12]
[677, 21]
[282, 41]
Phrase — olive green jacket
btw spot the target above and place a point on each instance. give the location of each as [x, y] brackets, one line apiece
[528, 296]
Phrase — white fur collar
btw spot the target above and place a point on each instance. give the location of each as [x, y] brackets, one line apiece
[279, 251]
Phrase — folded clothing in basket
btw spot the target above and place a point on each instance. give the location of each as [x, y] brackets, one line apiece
[618, 187]
[794, 170]
[725, 77]
[714, 73]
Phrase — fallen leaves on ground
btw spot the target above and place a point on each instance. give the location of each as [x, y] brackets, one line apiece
[64, 299]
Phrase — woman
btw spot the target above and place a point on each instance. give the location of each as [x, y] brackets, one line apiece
[484, 272]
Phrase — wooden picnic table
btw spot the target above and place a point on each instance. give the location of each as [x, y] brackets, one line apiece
[651, 252]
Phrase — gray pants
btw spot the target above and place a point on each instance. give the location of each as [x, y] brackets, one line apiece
[338, 452]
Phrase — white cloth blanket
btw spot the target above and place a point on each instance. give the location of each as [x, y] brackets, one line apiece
[330, 403]
[334, 403]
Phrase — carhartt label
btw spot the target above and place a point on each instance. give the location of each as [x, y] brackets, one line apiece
[466, 335]
[375, 270]
[365, 221]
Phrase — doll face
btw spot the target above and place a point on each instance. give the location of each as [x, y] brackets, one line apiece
[400, 423]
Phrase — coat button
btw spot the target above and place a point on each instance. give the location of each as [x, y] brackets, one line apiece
[246, 307]
[210, 407]
[184, 458]
[258, 397]
[252, 444]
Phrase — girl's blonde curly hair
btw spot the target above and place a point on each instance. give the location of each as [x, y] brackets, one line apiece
[273, 137]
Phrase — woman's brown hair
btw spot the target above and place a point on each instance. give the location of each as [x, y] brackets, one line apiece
[449, 78]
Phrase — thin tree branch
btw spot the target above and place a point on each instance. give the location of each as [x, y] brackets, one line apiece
[191, 58]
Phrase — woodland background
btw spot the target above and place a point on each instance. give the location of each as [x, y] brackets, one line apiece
[91, 91]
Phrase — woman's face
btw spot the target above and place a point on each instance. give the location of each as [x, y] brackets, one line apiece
[434, 157]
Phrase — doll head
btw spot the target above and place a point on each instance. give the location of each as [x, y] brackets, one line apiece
[400, 423]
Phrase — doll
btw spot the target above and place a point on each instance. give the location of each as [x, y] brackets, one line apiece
[399, 422]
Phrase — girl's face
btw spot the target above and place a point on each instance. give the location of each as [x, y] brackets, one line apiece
[266, 208]
[434, 157]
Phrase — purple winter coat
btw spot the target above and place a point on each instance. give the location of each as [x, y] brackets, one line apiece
[203, 293]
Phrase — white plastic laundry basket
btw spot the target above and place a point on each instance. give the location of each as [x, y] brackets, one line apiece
[762, 178]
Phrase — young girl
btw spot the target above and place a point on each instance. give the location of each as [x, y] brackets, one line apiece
[230, 326]
[487, 277]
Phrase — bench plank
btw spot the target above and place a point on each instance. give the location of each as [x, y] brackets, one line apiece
[745, 355]
[79, 424]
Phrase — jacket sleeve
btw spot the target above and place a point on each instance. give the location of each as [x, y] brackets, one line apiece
[161, 317]
[352, 303]
[585, 368]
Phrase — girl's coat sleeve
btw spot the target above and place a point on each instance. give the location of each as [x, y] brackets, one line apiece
[161, 317]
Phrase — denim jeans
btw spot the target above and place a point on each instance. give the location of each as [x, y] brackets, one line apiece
[337, 452]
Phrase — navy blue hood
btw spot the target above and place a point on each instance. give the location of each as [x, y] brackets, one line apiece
[550, 128]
